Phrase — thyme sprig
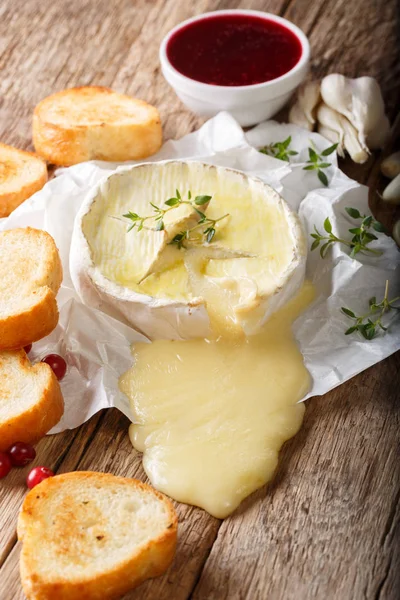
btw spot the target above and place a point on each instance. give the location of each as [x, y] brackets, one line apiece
[364, 324]
[208, 232]
[316, 162]
[279, 150]
[362, 235]
[139, 222]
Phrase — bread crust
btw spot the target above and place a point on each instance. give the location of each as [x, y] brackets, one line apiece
[29, 326]
[9, 201]
[106, 138]
[31, 425]
[149, 561]
[18, 329]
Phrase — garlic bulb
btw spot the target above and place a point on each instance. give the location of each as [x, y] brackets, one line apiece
[352, 113]
[302, 112]
[391, 193]
[347, 134]
[390, 167]
[360, 101]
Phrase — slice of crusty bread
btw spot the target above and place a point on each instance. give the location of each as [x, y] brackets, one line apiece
[21, 175]
[30, 399]
[93, 536]
[95, 123]
[30, 276]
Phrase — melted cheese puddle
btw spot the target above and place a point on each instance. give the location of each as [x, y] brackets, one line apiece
[211, 416]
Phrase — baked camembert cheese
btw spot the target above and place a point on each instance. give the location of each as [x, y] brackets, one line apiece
[256, 259]
[215, 394]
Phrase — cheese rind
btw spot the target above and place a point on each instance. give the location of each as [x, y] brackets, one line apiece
[108, 264]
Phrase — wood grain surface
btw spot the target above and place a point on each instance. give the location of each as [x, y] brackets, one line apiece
[328, 527]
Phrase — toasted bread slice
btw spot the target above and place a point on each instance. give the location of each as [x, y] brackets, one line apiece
[93, 536]
[30, 399]
[30, 276]
[21, 175]
[95, 123]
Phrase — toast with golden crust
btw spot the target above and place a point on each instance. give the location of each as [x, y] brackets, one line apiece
[21, 175]
[93, 536]
[30, 276]
[31, 402]
[95, 123]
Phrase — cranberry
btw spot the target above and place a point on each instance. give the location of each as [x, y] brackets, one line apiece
[28, 348]
[5, 465]
[37, 475]
[21, 454]
[57, 363]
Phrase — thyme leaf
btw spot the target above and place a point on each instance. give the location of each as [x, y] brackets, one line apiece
[366, 325]
[361, 235]
[316, 162]
[279, 150]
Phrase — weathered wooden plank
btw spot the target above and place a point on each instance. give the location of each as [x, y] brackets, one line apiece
[47, 46]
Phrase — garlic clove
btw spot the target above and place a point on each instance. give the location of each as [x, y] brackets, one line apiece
[329, 118]
[333, 137]
[336, 94]
[390, 167]
[378, 137]
[297, 117]
[303, 112]
[391, 193]
[309, 98]
[348, 137]
[368, 107]
[352, 143]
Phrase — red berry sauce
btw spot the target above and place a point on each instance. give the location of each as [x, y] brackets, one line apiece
[234, 50]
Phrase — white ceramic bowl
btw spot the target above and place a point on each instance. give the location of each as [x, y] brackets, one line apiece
[249, 104]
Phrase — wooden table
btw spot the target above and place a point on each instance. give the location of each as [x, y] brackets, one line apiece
[328, 525]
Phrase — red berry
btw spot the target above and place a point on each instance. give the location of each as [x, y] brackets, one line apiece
[28, 348]
[21, 454]
[57, 363]
[5, 464]
[37, 475]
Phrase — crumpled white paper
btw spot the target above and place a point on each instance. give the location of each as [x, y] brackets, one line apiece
[97, 347]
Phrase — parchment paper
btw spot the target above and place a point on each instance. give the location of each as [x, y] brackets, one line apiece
[97, 347]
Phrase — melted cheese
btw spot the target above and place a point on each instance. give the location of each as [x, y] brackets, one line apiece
[212, 415]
